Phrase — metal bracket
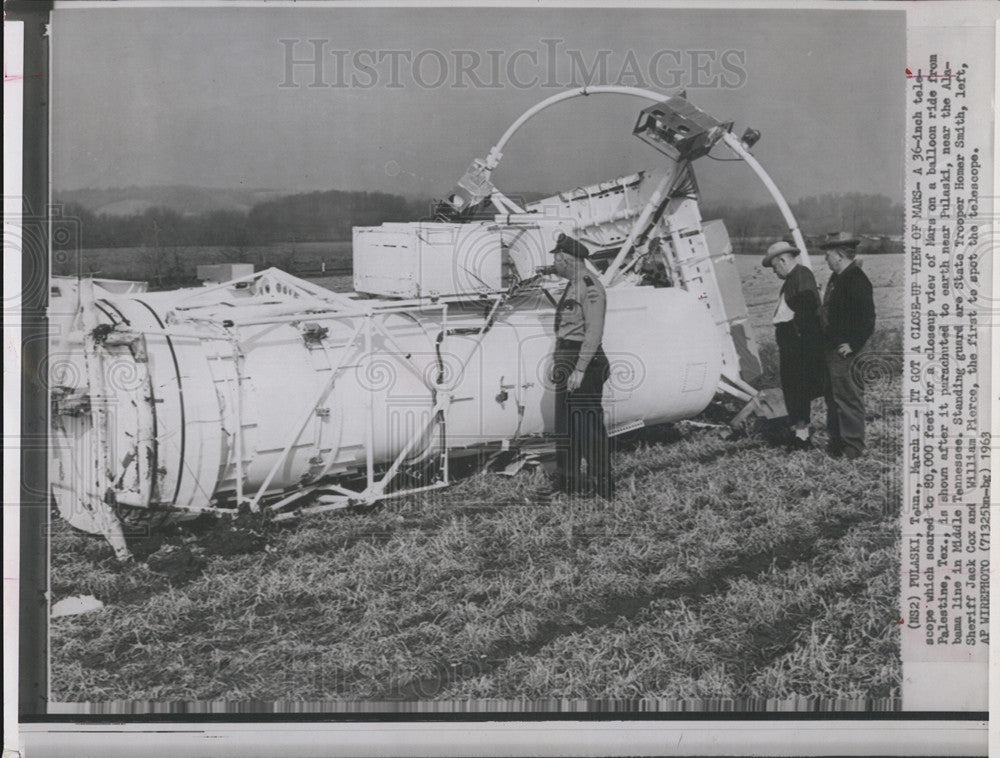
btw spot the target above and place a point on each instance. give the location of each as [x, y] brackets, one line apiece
[313, 335]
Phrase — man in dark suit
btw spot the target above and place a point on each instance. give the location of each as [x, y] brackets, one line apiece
[848, 322]
[799, 336]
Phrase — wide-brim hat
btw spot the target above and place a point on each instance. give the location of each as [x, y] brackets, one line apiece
[839, 240]
[778, 248]
[570, 246]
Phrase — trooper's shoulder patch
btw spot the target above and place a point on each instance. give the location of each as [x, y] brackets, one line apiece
[588, 281]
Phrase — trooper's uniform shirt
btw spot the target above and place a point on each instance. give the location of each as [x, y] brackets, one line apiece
[580, 315]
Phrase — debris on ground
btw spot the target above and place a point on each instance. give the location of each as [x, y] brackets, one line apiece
[247, 533]
[74, 606]
[179, 563]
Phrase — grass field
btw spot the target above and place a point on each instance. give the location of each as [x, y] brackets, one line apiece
[725, 569]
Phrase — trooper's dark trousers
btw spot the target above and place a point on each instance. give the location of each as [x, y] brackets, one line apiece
[580, 430]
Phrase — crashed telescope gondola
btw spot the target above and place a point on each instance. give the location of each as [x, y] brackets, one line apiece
[274, 394]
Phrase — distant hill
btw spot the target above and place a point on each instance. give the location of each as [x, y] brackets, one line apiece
[162, 217]
[173, 216]
[195, 201]
[860, 214]
[329, 215]
[182, 199]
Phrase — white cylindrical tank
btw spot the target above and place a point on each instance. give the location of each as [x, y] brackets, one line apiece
[257, 392]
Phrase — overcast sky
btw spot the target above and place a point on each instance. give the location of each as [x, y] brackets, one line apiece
[207, 97]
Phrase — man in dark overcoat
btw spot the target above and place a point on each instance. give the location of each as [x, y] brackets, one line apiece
[799, 337]
[848, 323]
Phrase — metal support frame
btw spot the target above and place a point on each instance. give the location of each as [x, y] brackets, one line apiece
[739, 384]
[661, 192]
[734, 144]
[369, 409]
[731, 384]
[326, 304]
[310, 300]
[736, 387]
[375, 489]
[145, 440]
[496, 152]
[504, 204]
[110, 527]
[254, 502]
[237, 355]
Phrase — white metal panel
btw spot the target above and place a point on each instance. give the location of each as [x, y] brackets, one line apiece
[428, 259]
[356, 393]
[385, 261]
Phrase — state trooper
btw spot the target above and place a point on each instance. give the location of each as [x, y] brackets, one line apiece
[580, 369]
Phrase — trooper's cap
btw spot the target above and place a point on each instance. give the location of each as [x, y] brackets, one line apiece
[570, 246]
[775, 250]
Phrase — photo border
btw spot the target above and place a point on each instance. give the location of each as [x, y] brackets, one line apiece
[729, 735]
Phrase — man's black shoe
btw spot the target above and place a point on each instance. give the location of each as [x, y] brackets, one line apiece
[797, 443]
[835, 448]
[545, 494]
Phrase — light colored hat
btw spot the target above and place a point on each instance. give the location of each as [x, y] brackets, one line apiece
[775, 250]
